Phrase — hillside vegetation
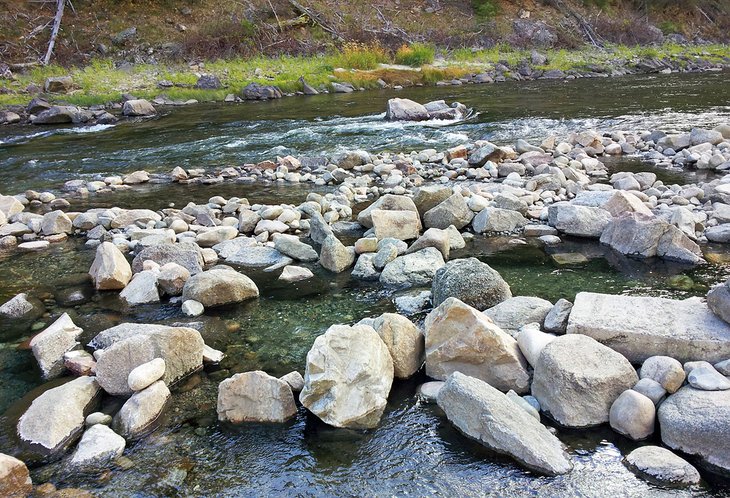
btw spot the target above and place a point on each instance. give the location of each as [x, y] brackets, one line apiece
[150, 31]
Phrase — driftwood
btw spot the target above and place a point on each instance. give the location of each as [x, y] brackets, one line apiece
[54, 33]
[316, 18]
[297, 22]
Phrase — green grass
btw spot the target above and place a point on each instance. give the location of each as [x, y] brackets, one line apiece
[415, 55]
[100, 82]
[361, 56]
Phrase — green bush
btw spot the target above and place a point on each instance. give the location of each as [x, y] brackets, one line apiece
[669, 27]
[415, 55]
[485, 9]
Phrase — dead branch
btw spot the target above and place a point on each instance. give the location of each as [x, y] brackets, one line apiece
[54, 32]
[316, 18]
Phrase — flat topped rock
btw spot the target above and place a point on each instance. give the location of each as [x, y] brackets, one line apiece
[640, 327]
[659, 465]
[259, 257]
[55, 419]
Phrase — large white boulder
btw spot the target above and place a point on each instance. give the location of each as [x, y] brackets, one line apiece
[348, 377]
[127, 346]
[516, 312]
[404, 341]
[580, 221]
[410, 270]
[640, 327]
[461, 339]
[483, 413]
[110, 269]
[255, 397]
[644, 236]
[577, 379]
[698, 423]
[55, 419]
[405, 110]
[50, 345]
[218, 287]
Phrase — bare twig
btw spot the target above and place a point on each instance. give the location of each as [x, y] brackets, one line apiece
[54, 32]
[278, 22]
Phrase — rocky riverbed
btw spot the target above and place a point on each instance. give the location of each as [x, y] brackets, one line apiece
[499, 365]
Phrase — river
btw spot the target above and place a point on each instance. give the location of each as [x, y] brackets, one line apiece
[414, 451]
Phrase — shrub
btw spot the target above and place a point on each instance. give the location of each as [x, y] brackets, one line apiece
[221, 38]
[355, 55]
[669, 27]
[415, 55]
[485, 9]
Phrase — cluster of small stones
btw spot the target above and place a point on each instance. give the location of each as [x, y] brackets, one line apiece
[524, 183]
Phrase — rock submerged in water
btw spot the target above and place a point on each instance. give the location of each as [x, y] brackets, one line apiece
[461, 339]
[255, 397]
[483, 413]
[660, 466]
[348, 377]
[577, 379]
[412, 270]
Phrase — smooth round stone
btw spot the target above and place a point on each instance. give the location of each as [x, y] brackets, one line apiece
[665, 370]
[429, 391]
[633, 415]
[651, 389]
[146, 374]
[661, 466]
[533, 401]
[98, 418]
[723, 367]
[192, 308]
[706, 378]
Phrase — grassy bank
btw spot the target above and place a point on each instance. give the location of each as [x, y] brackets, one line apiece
[361, 65]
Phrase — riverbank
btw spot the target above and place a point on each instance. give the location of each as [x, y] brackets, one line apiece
[103, 83]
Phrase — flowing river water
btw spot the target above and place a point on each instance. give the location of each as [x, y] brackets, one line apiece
[414, 451]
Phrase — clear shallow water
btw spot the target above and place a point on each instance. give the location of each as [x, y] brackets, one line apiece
[215, 135]
[414, 451]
